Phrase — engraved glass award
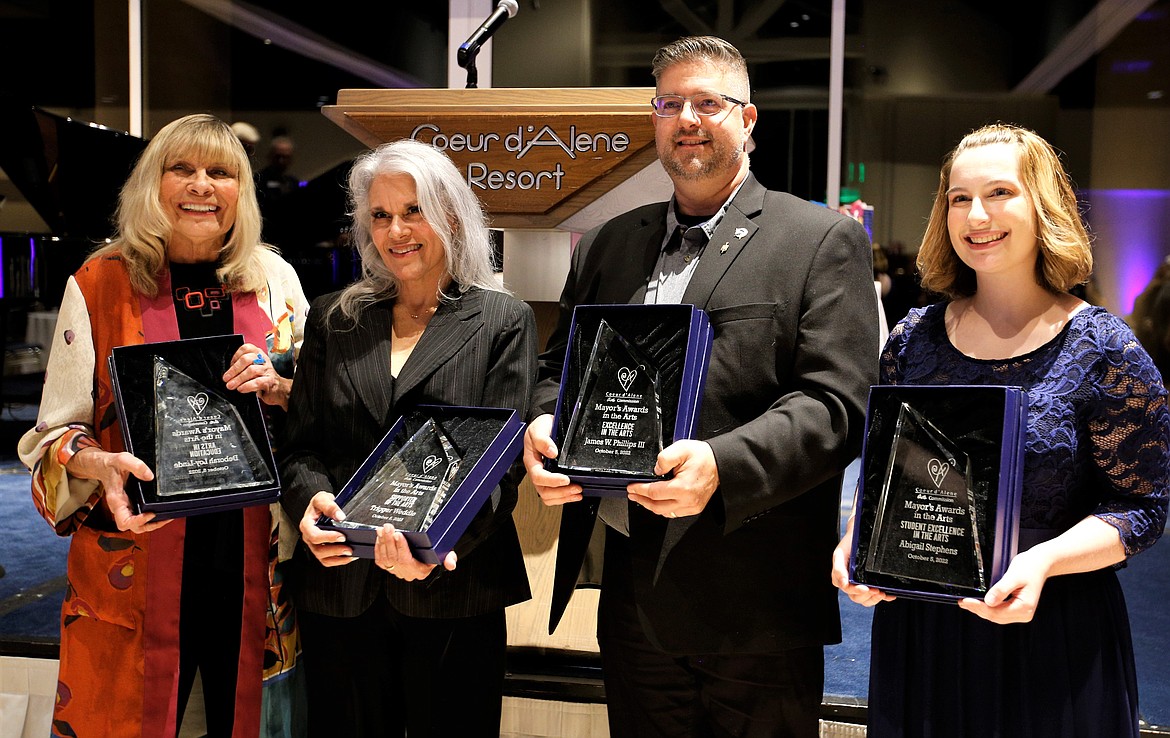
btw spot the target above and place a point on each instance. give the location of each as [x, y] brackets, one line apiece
[616, 421]
[925, 528]
[202, 444]
[409, 485]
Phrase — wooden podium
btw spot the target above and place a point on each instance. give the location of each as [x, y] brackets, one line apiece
[536, 158]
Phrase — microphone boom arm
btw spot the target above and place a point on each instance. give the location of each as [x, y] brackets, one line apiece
[467, 52]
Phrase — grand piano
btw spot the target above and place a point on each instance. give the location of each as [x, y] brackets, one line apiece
[71, 171]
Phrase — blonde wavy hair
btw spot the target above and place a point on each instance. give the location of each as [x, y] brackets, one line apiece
[1065, 258]
[144, 226]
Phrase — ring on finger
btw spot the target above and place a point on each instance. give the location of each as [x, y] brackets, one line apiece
[673, 514]
[390, 568]
[259, 360]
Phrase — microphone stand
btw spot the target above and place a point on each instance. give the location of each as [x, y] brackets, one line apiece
[472, 72]
[505, 9]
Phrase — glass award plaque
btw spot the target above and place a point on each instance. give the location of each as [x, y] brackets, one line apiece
[631, 384]
[201, 441]
[207, 446]
[937, 510]
[429, 477]
[616, 424]
[409, 486]
[926, 527]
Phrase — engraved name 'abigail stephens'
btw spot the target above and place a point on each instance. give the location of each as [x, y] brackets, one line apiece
[932, 520]
[521, 142]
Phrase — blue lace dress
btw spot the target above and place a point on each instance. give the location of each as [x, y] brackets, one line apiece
[1097, 444]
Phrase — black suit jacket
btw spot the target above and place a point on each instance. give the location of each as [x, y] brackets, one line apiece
[788, 287]
[479, 351]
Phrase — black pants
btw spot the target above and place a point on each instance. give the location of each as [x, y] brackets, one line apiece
[210, 612]
[383, 673]
[651, 693]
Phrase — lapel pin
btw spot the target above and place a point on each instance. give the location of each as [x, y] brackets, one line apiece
[740, 232]
[724, 247]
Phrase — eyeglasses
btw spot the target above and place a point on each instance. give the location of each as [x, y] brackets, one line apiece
[705, 104]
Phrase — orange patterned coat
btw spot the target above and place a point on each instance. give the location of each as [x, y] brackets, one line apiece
[119, 622]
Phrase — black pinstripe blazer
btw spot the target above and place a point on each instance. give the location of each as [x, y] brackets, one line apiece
[479, 350]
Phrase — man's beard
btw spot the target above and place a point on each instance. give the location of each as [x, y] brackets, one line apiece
[721, 157]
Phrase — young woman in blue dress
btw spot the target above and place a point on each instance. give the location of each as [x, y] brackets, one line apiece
[1048, 651]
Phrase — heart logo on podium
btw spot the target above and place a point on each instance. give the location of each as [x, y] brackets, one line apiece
[626, 377]
[197, 402]
[938, 471]
[430, 462]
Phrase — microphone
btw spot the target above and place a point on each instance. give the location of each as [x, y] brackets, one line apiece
[504, 10]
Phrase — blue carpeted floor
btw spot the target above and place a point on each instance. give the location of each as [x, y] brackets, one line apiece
[33, 586]
[33, 558]
[1147, 592]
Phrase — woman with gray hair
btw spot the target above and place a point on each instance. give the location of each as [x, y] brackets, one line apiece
[394, 645]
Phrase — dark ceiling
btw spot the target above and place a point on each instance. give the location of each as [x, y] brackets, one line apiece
[51, 43]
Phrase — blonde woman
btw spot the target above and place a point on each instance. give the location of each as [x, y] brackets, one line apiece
[150, 602]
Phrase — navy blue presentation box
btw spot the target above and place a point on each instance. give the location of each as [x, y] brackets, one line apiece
[936, 516]
[488, 439]
[687, 354]
[204, 360]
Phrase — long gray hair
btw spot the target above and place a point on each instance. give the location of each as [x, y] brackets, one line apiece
[449, 206]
